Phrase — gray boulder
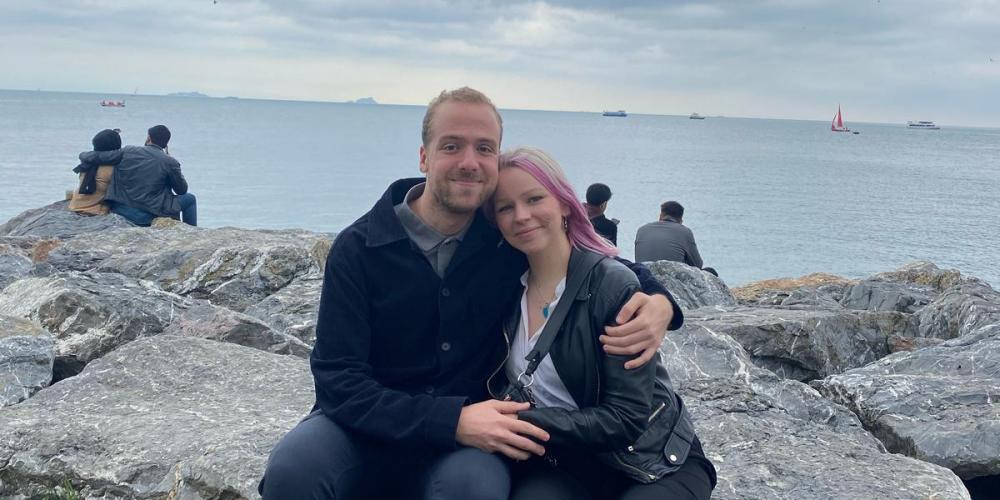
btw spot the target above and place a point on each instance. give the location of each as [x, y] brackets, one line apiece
[959, 310]
[871, 295]
[804, 344]
[56, 221]
[922, 273]
[775, 438]
[293, 309]
[231, 267]
[690, 286]
[164, 417]
[938, 404]
[26, 356]
[14, 265]
[813, 290]
[93, 313]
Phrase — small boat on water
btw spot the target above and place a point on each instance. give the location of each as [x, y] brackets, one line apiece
[838, 123]
[620, 112]
[696, 116]
[923, 125]
[112, 104]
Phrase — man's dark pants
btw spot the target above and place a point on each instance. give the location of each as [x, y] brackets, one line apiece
[320, 460]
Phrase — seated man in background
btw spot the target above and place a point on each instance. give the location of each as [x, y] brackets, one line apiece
[148, 183]
[597, 202]
[88, 199]
[667, 239]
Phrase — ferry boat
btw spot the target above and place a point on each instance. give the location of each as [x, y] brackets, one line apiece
[112, 104]
[620, 112]
[696, 116]
[923, 125]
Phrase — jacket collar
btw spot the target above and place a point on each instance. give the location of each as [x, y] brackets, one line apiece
[385, 227]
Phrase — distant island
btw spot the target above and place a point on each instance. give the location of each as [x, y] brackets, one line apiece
[186, 94]
[363, 100]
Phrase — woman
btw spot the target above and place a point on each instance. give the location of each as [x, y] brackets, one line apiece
[88, 199]
[615, 433]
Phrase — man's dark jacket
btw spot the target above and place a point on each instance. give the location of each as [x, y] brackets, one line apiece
[606, 228]
[146, 178]
[399, 351]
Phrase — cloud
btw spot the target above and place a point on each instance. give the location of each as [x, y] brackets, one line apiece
[719, 57]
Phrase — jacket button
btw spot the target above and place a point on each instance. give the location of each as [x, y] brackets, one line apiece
[446, 292]
[673, 458]
[445, 346]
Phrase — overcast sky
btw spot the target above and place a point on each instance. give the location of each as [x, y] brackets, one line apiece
[882, 60]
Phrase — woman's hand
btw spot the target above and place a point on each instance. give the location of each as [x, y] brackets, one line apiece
[642, 324]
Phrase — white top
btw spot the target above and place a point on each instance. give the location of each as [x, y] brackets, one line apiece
[548, 388]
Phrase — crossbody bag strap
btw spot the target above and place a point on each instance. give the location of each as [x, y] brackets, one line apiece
[588, 260]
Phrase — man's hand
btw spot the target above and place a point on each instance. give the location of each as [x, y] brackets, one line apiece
[642, 324]
[492, 426]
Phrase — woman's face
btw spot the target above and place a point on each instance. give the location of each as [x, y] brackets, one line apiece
[528, 215]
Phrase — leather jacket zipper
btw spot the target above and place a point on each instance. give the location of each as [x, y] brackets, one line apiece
[489, 387]
[640, 471]
[663, 405]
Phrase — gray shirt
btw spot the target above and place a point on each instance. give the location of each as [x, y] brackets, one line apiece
[666, 240]
[438, 248]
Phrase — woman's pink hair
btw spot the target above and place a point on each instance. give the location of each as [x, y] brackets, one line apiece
[550, 175]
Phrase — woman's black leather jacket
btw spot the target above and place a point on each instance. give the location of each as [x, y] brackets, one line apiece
[632, 419]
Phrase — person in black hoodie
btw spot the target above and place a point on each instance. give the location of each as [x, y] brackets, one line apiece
[88, 199]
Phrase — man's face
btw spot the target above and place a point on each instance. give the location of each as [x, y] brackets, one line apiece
[461, 158]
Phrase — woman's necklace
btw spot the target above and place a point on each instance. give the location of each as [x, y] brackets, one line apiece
[545, 305]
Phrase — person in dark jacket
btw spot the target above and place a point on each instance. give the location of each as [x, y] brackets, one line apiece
[598, 196]
[148, 183]
[613, 433]
[409, 330]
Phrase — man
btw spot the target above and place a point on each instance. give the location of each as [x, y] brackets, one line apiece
[148, 183]
[597, 202]
[409, 330]
[667, 239]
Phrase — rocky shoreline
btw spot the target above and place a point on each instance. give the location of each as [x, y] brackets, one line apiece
[164, 362]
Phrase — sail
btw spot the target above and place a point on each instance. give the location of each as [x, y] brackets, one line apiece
[838, 123]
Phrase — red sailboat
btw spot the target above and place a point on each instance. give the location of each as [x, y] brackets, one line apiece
[838, 123]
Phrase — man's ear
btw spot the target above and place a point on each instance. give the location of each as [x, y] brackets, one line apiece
[423, 160]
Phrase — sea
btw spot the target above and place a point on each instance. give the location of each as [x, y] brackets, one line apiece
[765, 198]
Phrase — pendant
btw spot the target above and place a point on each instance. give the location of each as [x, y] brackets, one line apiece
[545, 311]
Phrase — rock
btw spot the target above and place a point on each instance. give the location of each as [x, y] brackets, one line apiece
[817, 289]
[231, 267]
[14, 265]
[293, 309]
[93, 313]
[690, 286]
[56, 221]
[961, 309]
[26, 356]
[922, 273]
[774, 438]
[871, 295]
[805, 344]
[163, 417]
[938, 404]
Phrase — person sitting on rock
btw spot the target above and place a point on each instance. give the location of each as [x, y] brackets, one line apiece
[148, 183]
[88, 199]
[668, 239]
[597, 202]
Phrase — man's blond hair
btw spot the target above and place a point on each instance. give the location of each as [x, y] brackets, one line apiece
[464, 94]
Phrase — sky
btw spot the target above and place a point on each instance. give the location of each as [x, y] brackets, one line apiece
[883, 61]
